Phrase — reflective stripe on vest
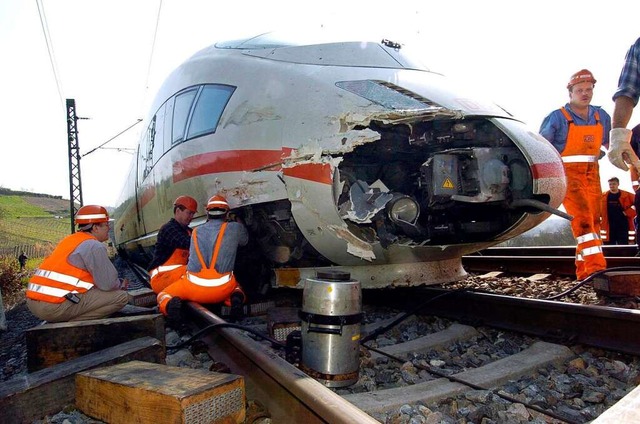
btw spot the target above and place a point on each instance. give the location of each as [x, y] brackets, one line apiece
[579, 159]
[49, 291]
[209, 282]
[163, 268]
[63, 278]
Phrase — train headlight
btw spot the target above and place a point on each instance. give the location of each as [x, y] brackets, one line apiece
[403, 209]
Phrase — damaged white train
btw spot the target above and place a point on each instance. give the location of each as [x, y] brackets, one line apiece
[350, 155]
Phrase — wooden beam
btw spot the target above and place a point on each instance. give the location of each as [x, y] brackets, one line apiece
[26, 398]
[51, 344]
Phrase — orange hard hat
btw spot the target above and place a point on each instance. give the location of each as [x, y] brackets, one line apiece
[187, 202]
[91, 214]
[217, 204]
[582, 75]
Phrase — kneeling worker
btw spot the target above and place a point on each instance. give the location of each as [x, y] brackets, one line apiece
[78, 281]
[171, 252]
[209, 277]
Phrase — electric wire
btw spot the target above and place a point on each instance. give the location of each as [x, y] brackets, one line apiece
[49, 43]
[153, 48]
[114, 137]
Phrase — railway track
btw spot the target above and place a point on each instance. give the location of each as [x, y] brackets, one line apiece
[292, 396]
[465, 366]
[555, 260]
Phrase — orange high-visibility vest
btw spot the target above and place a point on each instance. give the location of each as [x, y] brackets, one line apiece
[56, 277]
[178, 258]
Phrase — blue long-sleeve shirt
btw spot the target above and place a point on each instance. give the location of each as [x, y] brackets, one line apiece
[629, 82]
[555, 126]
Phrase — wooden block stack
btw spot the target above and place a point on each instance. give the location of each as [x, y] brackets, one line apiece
[143, 297]
[143, 392]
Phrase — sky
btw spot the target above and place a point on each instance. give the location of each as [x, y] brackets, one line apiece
[112, 56]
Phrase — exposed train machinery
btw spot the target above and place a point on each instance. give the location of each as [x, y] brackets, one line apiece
[337, 153]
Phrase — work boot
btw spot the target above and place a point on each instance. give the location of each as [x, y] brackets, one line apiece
[174, 311]
[237, 308]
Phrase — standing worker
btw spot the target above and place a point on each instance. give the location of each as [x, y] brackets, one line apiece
[209, 277]
[22, 260]
[172, 245]
[78, 280]
[617, 225]
[577, 131]
[625, 98]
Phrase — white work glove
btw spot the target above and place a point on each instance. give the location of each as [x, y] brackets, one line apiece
[620, 151]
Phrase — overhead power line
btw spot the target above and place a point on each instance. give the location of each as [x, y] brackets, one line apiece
[47, 39]
[114, 137]
[153, 45]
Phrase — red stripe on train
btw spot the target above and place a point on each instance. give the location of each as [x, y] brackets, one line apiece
[226, 161]
[547, 170]
[318, 172]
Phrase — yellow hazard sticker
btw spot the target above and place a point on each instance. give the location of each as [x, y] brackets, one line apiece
[448, 183]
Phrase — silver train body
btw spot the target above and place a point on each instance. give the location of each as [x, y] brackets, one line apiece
[349, 155]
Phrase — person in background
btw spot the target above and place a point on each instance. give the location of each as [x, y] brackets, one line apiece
[22, 260]
[172, 245]
[618, 213]
[578, 130]
[621, 153]
[78, 281]
[209, 276]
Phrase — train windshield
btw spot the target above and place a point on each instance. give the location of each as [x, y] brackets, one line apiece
[338, 48]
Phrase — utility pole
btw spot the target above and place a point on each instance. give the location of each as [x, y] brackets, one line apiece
[75, 182]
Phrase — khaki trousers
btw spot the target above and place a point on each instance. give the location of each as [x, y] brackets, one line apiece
[94, 304]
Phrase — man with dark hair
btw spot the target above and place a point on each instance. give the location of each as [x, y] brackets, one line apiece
[172, 245]
[617, 214]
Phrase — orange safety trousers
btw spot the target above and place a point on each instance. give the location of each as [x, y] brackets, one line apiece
[170, 271]
[580, 158]
[583, 203]
[205, 286]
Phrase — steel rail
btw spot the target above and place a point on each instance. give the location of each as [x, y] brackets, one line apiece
[604, 327]
[608, 250]
[288, 394]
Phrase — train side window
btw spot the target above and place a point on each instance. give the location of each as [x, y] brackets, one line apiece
[145, 153]
[181, 114]
[208, 110]
[158, 145]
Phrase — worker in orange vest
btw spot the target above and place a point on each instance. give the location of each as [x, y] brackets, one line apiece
[171, 252]
[577, 131]
[78, 281]
[209, 276]
[617, 210]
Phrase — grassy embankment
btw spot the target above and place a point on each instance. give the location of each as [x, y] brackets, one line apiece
[33, 224]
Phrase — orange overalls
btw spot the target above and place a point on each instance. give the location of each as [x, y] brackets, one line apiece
[580, 159]
[56, 277]
[205, 286]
